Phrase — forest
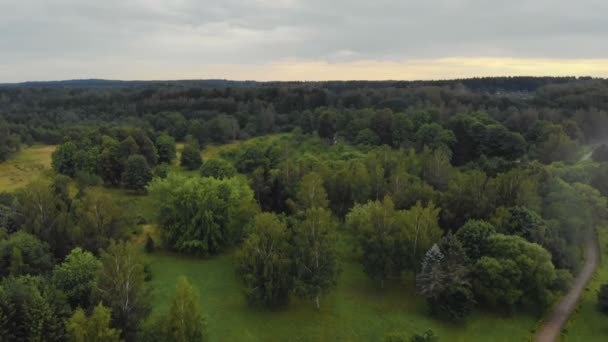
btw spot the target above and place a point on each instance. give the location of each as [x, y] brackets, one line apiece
[478, 197]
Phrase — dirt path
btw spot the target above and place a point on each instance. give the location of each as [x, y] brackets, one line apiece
[551, 329]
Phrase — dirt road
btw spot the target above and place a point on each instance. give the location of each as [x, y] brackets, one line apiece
[550, 331]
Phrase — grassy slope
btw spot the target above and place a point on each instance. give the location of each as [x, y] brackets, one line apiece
[25, 166]
[588, 324]
[355, 311]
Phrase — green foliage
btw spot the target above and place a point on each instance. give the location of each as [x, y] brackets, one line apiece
[22, 253]
[95, 328]
[475, 237]
[63, 159]
[436, 169]
[31, 311]
[518, 187]
[43, 212]
[202, 216]
[161, 170]
[314, 254]
[99, 219]
[10, 143]
[434, 136]
[76, 277]
[137, 173]
[444, 280]
[311, 193]
[184, 322]
[145, 146]
[367, 137]
[478, 134]
[217, 168]
[393, 241]
[111, 163]
[523, 222]
[121, 286]
[69, 158]
[264, 263]
[466, 198]
[165, 146]
[191, 157]
[514, 273]
[84, 179]
[327, 123]
[553, 144]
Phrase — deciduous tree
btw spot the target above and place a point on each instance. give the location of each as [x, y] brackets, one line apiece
[94, 328]
[314, 254]
[121, 286]
[264, 262]
[184, 322]
[137, 173]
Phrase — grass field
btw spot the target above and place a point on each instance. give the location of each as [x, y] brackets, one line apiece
[25, 166]
[588, 324]
[355, 311]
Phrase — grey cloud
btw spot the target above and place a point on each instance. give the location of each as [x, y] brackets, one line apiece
[262, 31]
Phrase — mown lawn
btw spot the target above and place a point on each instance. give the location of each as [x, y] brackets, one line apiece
[25, 166]
[588, 323]
[357, 310]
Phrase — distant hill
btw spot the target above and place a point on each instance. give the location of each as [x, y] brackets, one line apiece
[481, 84]
[121, 83]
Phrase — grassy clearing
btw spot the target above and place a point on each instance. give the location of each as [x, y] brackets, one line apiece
[209, 151]
[25, 166]
[355, 311]
[135, 205]
[588, 323]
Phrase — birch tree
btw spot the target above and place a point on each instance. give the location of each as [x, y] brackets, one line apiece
[121, 286]
[184, 321]
[264, 263]
[314, 254]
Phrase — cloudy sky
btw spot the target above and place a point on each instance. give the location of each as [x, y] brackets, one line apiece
[300, 39]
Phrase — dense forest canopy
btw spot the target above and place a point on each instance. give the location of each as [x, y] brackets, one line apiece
[482, 192]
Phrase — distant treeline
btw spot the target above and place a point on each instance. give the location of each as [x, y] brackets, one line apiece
[42, 112]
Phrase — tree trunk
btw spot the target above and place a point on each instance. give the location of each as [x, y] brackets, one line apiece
[317, 304]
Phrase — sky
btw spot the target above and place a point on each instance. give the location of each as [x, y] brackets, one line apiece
[300, 39]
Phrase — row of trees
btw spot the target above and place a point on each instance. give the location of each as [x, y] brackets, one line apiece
[118, 156]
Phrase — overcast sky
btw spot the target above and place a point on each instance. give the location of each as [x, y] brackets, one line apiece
[300, 39]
